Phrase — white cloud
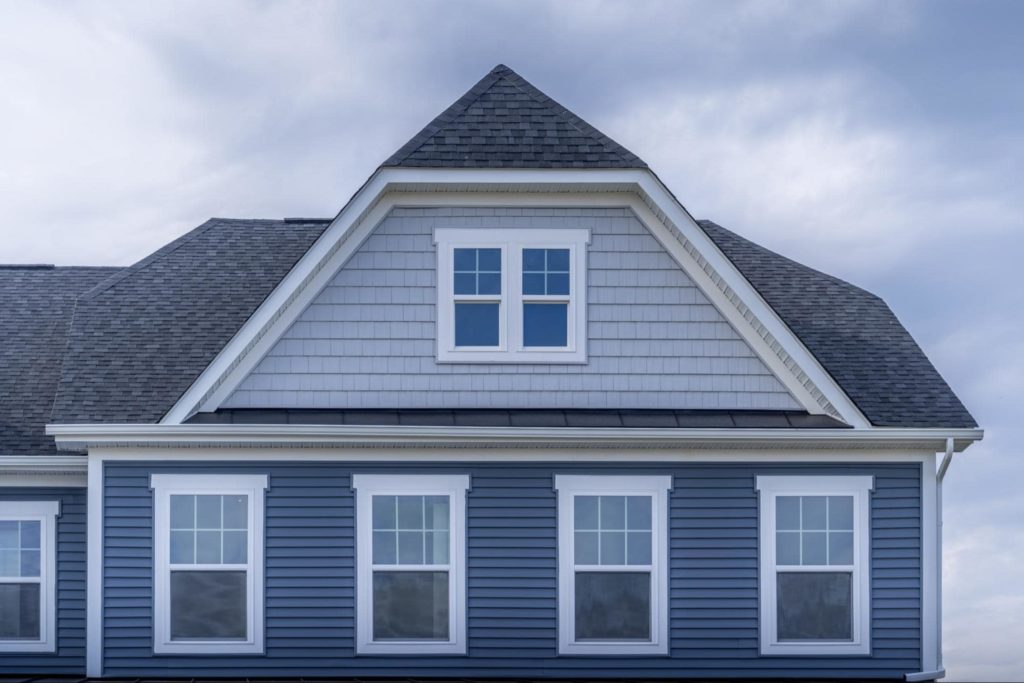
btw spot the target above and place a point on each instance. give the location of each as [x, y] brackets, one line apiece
[801, 164]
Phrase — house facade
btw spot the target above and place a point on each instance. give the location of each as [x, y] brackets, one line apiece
[512, 413]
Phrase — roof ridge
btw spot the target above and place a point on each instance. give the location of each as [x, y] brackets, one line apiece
[457, 107]
[569, 116]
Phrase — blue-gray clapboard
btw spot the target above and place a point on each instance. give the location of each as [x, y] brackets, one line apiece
[71, 538]
[310, 559]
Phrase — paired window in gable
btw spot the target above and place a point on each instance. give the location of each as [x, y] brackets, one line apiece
[511, 295]
[209, 563]
[28, 609]
[815, 565]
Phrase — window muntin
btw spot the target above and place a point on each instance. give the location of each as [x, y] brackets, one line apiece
[28, 576]
[612, 575]
[815, 565]
[546, 297]
[411, 550]
[477, 288]
[511, 295]
[209, 563]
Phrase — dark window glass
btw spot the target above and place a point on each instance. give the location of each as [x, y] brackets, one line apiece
[208, 605]
[815, 605]
[545, 325]
[545, 271]
[613, 606]
[19, 611]
[477, 271]
[410, 605]
[476, 324]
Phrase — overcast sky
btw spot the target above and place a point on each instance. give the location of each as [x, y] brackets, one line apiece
[881, 142]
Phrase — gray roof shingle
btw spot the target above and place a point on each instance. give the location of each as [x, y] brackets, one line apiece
[505, 122]
[853, 334]
[36, 307]
[141, 338]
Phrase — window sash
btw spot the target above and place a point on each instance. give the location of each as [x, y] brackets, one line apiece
[770, 489]
[654, 487]
[370, 486]
[46, 513]
[252, 487]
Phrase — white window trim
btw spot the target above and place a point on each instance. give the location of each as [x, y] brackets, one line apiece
[45, 512]
[569, 486]
[510, 338]
[165, 485]
[454, 486]
[860, 487]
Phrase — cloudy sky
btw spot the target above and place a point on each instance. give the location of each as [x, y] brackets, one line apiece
[881, 142]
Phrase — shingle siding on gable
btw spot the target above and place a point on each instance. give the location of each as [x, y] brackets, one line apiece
[368, 340]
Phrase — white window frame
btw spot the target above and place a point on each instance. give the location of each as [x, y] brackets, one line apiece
[860, 487]
[166, 485]
[512, 241]
[568, 487]
[452, 485]
[45, 512]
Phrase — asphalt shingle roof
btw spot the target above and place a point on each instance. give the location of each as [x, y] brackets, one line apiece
[36, 307]
[853, 334]
[505, 122]
[141, 338]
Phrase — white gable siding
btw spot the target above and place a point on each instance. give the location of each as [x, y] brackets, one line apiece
[654, 340]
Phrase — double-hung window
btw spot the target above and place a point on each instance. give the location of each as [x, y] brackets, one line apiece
[28, 576]
[411, 576]
[612, 566]
[511, 296]
[209, 563]
[815, 583]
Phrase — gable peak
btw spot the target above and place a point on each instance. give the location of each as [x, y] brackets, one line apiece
[504, 121]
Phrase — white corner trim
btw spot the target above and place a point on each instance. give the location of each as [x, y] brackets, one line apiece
[713, 273]
[657, 487]
[512, 241]
[931, 582]
[45, 512]
[454, 486]
[94, 569]
[859, 487]
[251, 485]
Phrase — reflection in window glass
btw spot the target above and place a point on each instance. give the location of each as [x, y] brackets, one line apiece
[815, 606]
[613, 606]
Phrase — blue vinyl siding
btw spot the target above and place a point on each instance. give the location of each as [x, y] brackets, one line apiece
[71, 534]
[512, 576]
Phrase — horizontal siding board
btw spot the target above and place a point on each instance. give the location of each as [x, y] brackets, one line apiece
[71, 585]
[512, 576]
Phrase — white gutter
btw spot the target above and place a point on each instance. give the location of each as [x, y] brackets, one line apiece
[114, 435]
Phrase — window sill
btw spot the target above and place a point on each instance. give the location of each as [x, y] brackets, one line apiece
[567, 357]
[815, 649]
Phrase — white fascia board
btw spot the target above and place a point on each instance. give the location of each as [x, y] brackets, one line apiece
[712, 271]
[326, 436]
